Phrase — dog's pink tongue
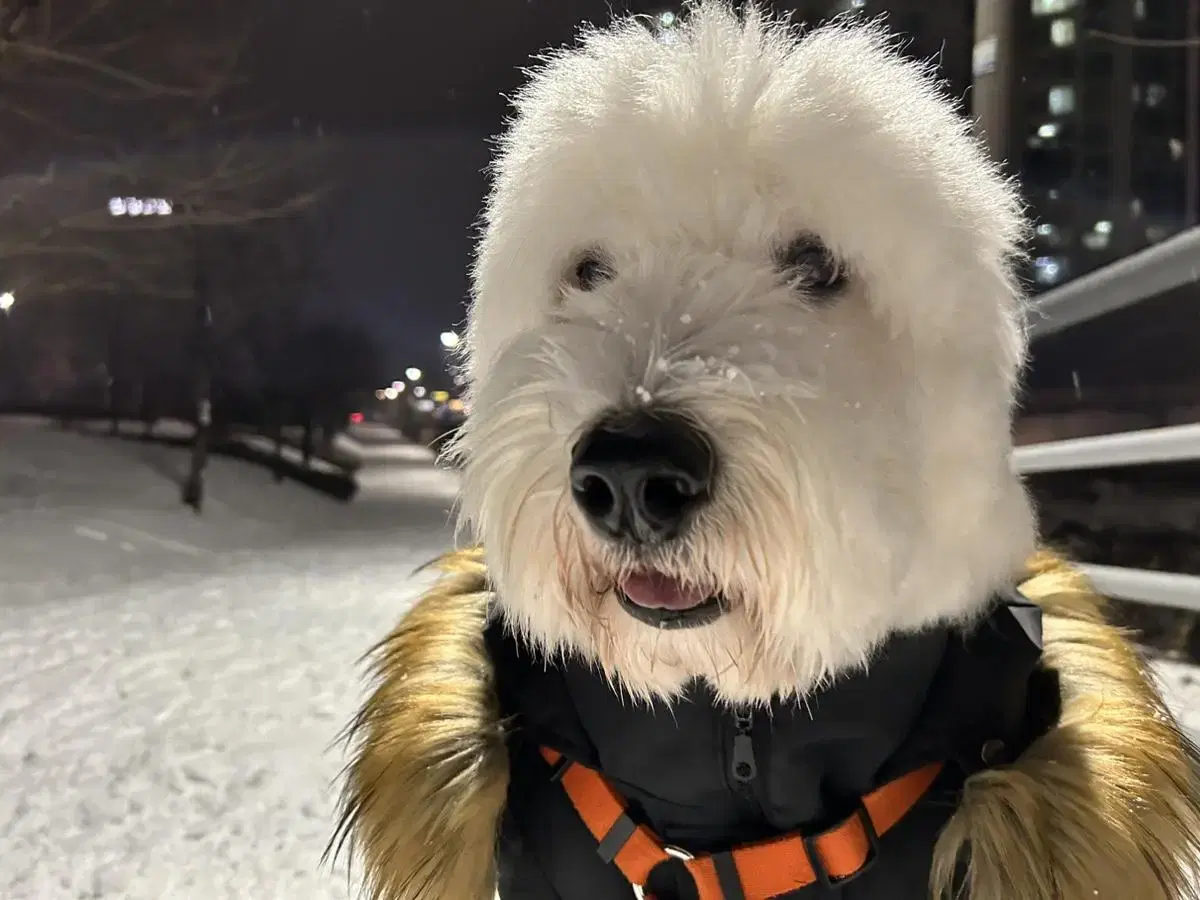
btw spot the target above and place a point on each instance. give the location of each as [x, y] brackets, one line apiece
[654, 590]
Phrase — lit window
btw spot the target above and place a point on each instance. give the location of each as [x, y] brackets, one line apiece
[1048, 130]
[1099, 237]
[1175, 146]
[1051, 7]
[1049, 269]
[1050, 234]
[1155, 94]
[1139, 9]
[1062, 32]
[1061, 99]
[666, 26]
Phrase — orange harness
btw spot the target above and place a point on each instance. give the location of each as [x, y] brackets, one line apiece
[752, 872]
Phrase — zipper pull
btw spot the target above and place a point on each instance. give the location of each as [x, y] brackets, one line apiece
[745, 769]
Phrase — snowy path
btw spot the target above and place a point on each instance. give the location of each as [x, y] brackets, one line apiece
[173, 741]
[167, 715]
[171, 685]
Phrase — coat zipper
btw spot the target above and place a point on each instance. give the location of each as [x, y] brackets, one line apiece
[742, 765]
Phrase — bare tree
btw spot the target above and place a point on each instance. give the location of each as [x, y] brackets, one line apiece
[103, 99]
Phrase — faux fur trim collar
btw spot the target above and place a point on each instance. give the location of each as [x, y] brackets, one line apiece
[1107, 804]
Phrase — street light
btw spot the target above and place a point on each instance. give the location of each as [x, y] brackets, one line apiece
[140, 206]
[450, 339]
[6, 301]
[412, 373]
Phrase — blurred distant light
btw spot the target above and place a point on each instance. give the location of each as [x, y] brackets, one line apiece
[1051, 7]
[455, 405]
[667, 19]
[379, 394]
[449, 339]
[399, 386]
[412, 373]
[1062, 32]
[356, 418]
[1049, 269]
[1048, 130]
[391, 393]
[6, 301]
[418, 391]
[1098, 238]
[425, 405]
[1060, 99]
[140, 206]
[440, 396]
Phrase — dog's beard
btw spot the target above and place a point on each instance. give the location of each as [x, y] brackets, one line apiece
[824, 532]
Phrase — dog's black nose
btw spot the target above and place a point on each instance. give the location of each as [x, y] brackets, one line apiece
[640, 476]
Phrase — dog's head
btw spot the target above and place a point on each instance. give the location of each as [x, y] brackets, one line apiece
[742, 356]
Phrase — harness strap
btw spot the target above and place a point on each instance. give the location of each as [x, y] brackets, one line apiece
[757, 871]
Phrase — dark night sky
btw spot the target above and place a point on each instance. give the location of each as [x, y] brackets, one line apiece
[412, 91]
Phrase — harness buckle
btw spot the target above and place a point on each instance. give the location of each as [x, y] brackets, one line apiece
[828, 881]
[639, 891]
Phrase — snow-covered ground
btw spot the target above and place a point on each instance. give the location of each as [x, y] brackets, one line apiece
[171, 685]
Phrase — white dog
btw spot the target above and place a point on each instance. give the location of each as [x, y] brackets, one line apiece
[798, 248]
[742, 359]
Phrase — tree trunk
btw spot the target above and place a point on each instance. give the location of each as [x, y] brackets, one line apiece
[193, 488]
[277, 433]
[306, 441]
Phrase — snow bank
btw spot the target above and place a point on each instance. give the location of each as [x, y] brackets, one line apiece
[174, 740]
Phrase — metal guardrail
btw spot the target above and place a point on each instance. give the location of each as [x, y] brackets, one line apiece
[1161, 267]
[1153, 271]
[1179, 443]
[1144, 586]
[1150, 446]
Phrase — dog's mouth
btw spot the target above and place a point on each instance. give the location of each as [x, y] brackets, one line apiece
[665, 602]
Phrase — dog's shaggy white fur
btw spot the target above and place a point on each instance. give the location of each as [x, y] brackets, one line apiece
[865, 483]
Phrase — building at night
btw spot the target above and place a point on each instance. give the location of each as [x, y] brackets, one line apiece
[1095, 105]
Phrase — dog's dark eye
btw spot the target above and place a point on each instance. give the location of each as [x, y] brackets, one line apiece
[590, 271]
[809, 265]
